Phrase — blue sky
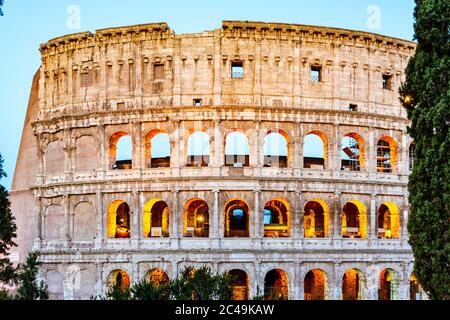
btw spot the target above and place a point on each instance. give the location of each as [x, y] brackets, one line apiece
[26, 24]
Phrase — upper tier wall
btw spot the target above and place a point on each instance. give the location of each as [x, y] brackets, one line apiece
[115, 68]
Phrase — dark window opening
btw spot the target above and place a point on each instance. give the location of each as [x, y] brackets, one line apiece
[237, 70]
[383, 157]
[158, 71]
[316, 74]
[353, 107]
[387, 82]
[197, 102]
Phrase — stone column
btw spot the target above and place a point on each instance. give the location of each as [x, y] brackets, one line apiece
[299, 154]
[337, 216]
[296, 224]
[404, 235]
[218, 160]
[103, 164]
[137, 146]
[371, 153]
[100, 219]
[336, 158]
[299, 230]
[373, 227]
[335, 289]
[39, 224]
[215, 218]
[136, 212]
[258, 219]
[174, 219]
[402, 161]
[66, 205]
[217, 86]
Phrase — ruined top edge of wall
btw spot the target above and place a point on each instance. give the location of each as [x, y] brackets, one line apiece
[235, 29]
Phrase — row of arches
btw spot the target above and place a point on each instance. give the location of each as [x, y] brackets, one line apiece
[276, 150]
[276, 219]
[276, 284]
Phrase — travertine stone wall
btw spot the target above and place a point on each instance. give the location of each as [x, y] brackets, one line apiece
[142, 78]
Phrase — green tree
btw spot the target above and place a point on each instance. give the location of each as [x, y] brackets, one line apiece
[7, 232]
[149, 291]
[426, 95]
[28, 287]
[1, 5]
[202, 284]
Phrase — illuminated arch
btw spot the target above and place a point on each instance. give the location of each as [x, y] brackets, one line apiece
[388, 221]
[387, 154]
[353, 155]
[198, 149]
[119, 278]
[237, 218]
[156, 219]
[276, 149]
[237, 152]
[353, 283]
[354, 220]
[316, 285]
[315, 151]
[241, 284]
[277, 218]
[388, 285]
[118, 220]
[316, 220]
[157, 149]
[414, 288]
[157, 277]
[196, 218]
[124, 158]
[276, 285]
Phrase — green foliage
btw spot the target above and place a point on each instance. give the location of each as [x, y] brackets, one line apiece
[427, 79]
[4, 295]
[28, 287]
[7, 232]
[1, 5]
[259, 294]
[201, 284]
[148, 291]
[191, 284]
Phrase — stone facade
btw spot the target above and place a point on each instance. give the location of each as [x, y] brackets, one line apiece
[252, 78]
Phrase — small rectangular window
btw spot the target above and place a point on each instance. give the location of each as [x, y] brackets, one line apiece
[352, 107]
[387, 82]
[316, 74]
[197, 102]
[158, 71]
[237, 70]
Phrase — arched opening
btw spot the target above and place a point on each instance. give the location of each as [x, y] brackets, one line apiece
[196, 219]
[411, 153]
[276, 149]
[314, 150]
[316, 219]
[119, 223]
[198, 150]
[276, 219]
[86, 151]
[121, 151]
[352, 154]
[240, 287]
[156, 219]
[157, 149]
[388, 221]
[157, 277]
[119, 278]
[388, 289]
[237, 152]
[276, 285]
[354, 220]
[414, 288]
[315, 285]
[237, 216]
[353, 283]
[386, 155]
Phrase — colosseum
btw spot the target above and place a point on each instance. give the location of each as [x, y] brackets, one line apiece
[276, 152]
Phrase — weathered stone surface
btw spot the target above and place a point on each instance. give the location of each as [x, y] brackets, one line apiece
[142, 80]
